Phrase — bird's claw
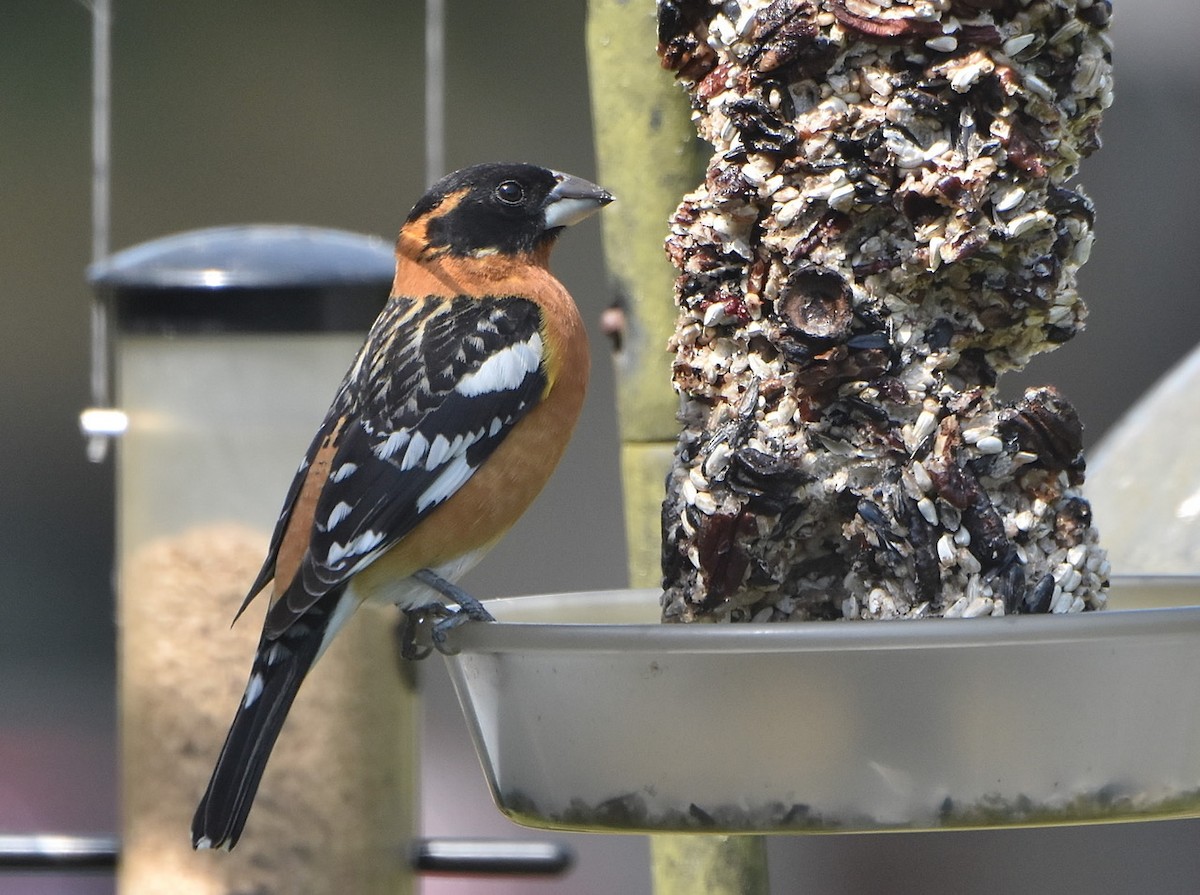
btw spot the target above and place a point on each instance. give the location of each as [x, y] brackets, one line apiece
[415, 631]
[407, 631]
[438, 620]
[443, 626]
[470, 610]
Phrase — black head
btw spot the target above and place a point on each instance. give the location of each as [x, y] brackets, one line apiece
[506, 208]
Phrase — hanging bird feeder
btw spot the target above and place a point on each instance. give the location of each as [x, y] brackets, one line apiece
[229, 344]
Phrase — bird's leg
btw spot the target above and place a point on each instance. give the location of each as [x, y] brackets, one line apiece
[470, 609]
[473, 608]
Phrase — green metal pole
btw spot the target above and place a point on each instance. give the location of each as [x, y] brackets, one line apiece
[685, 864]
[648, 155]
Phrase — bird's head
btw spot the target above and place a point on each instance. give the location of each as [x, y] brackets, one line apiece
[508, 209]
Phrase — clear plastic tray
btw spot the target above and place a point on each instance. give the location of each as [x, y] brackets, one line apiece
[589, 715]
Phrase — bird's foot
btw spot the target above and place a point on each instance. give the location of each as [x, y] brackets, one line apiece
[426, 628]
[469, 609]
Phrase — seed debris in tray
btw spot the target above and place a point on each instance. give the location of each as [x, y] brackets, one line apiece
[631, 811]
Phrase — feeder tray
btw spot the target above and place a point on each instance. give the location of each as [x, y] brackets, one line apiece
[589, 715]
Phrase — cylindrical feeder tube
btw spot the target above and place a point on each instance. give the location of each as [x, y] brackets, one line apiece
[225, 364]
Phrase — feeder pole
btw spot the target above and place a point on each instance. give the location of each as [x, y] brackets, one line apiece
[648, 155]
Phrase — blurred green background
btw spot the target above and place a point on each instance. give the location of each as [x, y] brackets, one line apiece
[310, 112]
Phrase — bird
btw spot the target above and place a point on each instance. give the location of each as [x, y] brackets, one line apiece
[448, 423]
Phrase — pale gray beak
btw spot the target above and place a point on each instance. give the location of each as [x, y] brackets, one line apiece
[572, 200]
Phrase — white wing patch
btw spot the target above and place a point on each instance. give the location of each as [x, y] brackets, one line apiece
[452, 455]
[347, 469]
[253, 690]
[504, 370]
[337, 515]
[417, 446]
[440, 450]
[449, 480]
[390, 445]
[357, 546]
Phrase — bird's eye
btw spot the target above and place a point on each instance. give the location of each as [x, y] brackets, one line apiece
[510, 192]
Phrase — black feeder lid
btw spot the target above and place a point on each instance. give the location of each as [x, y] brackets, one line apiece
[249, 278]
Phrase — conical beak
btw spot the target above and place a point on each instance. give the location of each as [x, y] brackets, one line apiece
[572, 200]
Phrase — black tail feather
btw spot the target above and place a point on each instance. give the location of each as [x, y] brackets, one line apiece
[279, 667]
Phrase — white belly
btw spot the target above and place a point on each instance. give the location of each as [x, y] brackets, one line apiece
[408, 593]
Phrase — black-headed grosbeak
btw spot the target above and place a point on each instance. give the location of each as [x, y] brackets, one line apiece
[447, 425]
